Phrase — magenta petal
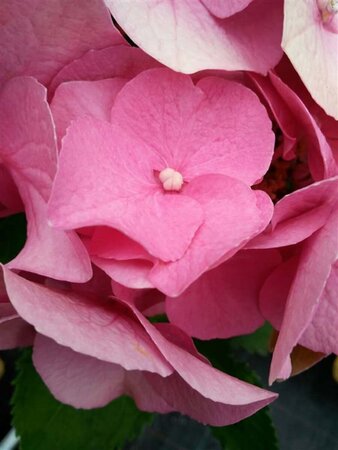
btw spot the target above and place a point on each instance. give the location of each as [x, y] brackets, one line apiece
[299, 214]
[29, 153]
[234, 214]
[76, 379]
[127, 197]
[102, 329]
[9, 196]
[39, 37]
[77, 99]
[318, 254]
[186, 37]
[219, 304]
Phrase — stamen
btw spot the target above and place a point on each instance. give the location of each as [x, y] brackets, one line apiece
[171, 179]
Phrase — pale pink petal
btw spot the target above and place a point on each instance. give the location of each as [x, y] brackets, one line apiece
[219, 304]
[39, 37]
[117, 61]
[318, 254]
[100, 328]
[116, 187]
[185, 36]
[77, 99]
[76, 379]
[234, 214]
[28, 151]
[222, 9]
[309, 43]
[299, 214]
[182, 122]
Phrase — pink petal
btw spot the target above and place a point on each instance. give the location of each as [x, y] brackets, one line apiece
[29, 153]
[186, 37]
[219, 304]
[132, 273]
[118, 61]
[199, 390]
[318, 254]
[76, 379]
[117, 188]
[14, 332]
[100, 328]
[234, 214]
[182, 122]
[77, 99]
[299, 214]
[309, 43]
[109, 243]
[38, 38]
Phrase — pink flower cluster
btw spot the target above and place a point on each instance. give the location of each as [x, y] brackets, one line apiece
[210, 197]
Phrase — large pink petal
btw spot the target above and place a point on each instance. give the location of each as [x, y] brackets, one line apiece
[100, 328]
[220, 304]
[318, 254]
[233, 215]
[116, 186]
[182, 122]
[39, 37]
[309, 43]
[299, 214]
[77, 99]
[76, 379]
[28, 150]
[185, 36]
[117, 61]
[197, 389]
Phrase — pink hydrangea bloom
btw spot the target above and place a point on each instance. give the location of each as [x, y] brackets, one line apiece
[189, 36]
[310, 39]
[39, 37]
[300, 297]
[169, 175]
[97, 348]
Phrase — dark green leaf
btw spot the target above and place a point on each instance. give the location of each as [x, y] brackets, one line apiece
[45, 424]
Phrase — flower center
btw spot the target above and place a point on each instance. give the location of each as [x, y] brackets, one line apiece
[171, 179]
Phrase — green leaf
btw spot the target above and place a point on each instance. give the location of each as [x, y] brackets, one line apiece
[12, 236]
[257, 342]
[43, 423]
[254, 433]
